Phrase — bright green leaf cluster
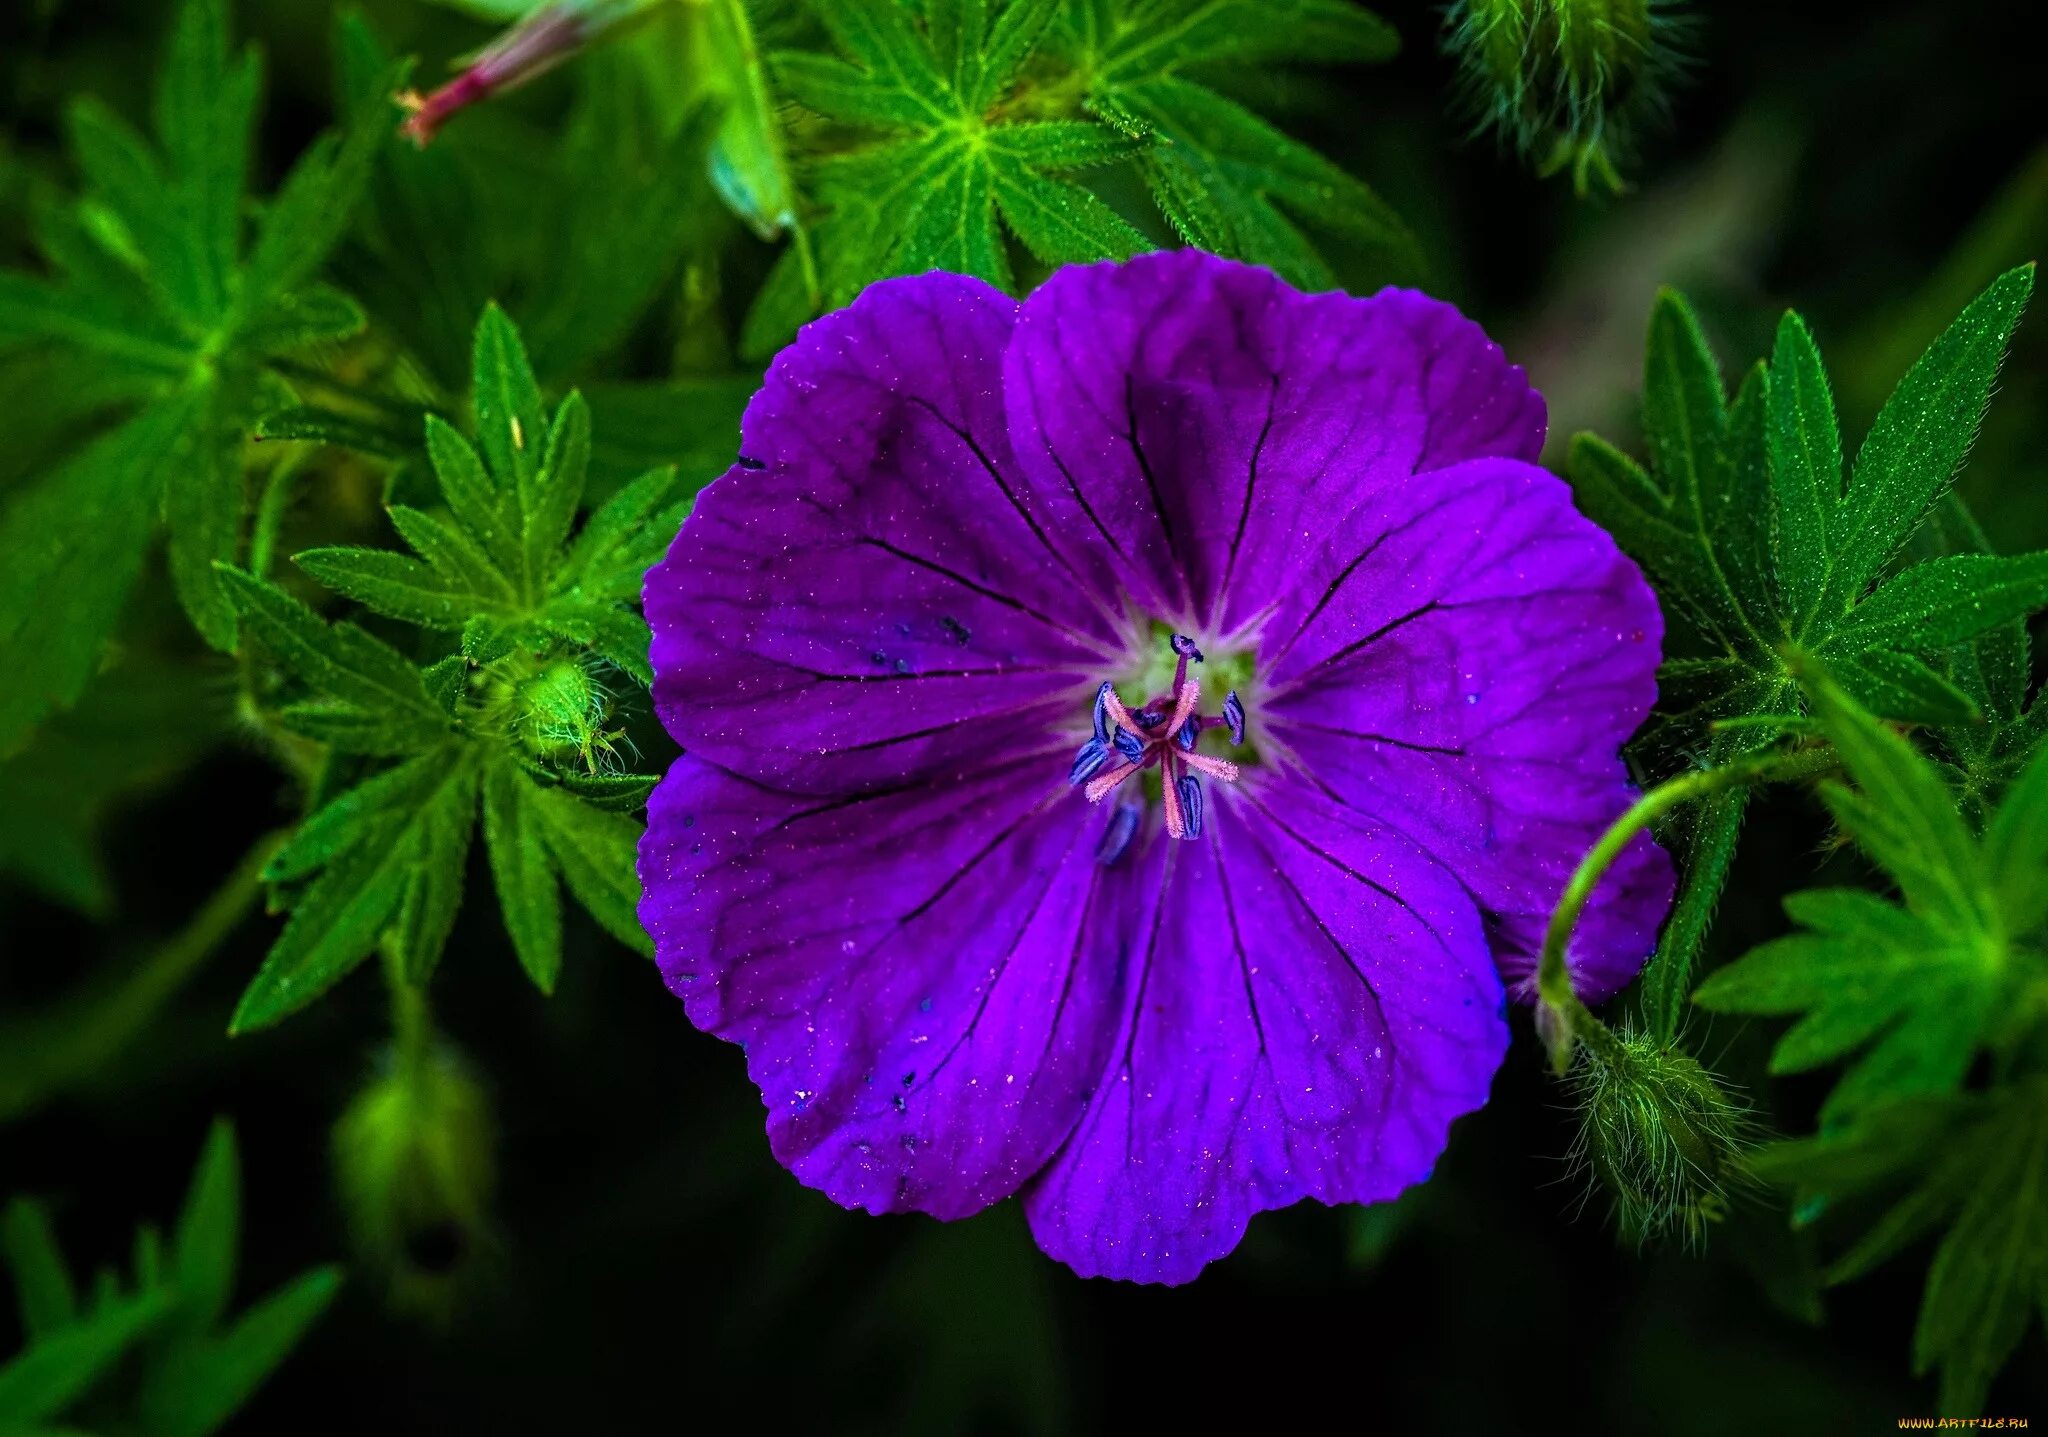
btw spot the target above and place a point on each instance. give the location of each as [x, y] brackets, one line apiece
[1915, 989]
[985, 108]
[1227, 180]
[193, 1363]
[177, 307]
[1756, 544]
[929, 194]
[1909, 996]
[510, 731]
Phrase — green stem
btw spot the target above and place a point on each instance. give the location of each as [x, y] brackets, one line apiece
[73, 1044]
[1553, 977]
[412, 1022]
[1667, 979]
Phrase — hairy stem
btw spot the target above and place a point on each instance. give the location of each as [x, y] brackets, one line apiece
[1553, 978]
[1669, 974]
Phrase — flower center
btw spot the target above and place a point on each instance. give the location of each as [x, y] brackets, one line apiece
[1162, 735]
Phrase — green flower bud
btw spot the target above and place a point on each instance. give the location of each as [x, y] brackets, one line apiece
[559, 714]
[1567, 83]
[413, 1163]
[1659, 1133]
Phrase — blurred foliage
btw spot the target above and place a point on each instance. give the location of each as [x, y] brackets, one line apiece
[469, 391]
[160, 1352]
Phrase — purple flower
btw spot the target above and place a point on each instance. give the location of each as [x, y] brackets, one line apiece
[1134, 738]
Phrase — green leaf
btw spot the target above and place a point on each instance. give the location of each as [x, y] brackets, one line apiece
[612, 634]
[1225, 178]
[510, 424]
[54, 1372]
[1902, 687]
[1918, 441]
[1975, 1166]
[42, 1284]
[393, 585]
[339, 660]
[929, 193]
[1990, 1275]
[596, 852]
[2016, 850]
[157, 296]
[1944, 601]
[70, 549]
[1916, 990]
[438, 864]
[620, 540]
[212, 1380]
[525, 878]
[209, 1234]
[316, 425]
[342, 916]
[1757, 551]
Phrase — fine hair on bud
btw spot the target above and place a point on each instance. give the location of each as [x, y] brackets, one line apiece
[1569, 85]
[1659, 1133]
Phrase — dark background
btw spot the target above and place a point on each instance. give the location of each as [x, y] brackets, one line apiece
[649, 1267]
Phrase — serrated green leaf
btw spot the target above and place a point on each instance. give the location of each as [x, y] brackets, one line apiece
[42, 1284]
[1060, 222]
[351, 817]
[340, 918]
[597, 853]
[473, 495]
[524, 876]
[620, 540]
[437, 867]
[1904, 816]
[1918, 441]
[340, 660]
[1162, 38]
[302, 319]
[510, 424]
[205, 111]
[1806, 463]
[558, 494]
[392, 585]
[312, 424]
[1989, 1279]
[1902, 687]
[1745, 528]
[613, 634]
[1914, 991]
[458, 559]
[1944, 601]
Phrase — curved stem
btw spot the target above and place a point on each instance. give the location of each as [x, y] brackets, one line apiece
[1553, 977]
[71, 1045]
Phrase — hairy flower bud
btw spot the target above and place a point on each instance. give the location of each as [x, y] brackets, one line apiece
[1566, 82]
[1659, 1133]
[559, 716]
[413, 1163]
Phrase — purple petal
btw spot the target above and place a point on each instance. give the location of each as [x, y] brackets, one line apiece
[1465, 660]
[1311, 1004]
[1193, 426]
[868, 595]
[925, 978]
